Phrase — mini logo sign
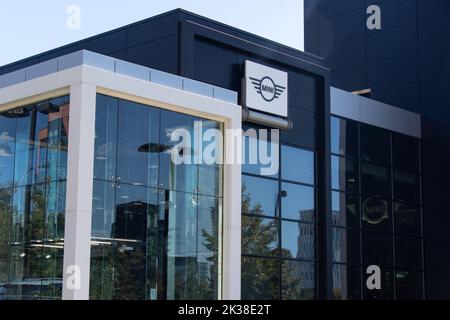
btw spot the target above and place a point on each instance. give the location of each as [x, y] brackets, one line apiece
[265, 89]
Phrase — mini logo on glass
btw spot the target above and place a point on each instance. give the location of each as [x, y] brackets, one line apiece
[267, 88]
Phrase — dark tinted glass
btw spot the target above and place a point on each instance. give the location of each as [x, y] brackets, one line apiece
[298, 202]
[375, 144]
[344, 137]
[408, 253]
[346, 244]
[375, 181]
[377, 249]
[298, 240]
[406, 186]
[407, 219]
[346, 282]
[298, 280]
[408, 285]
[259, 236]
[345, 209]
[260, 279]
[343, 174]
[406, 153]
[259, 196]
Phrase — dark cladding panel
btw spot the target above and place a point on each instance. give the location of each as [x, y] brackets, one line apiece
[304, 91]
[342, 26]
[106, 44]
[151, 30]
[350, 79]
[159, 54]
[332, 7]
[304, 133]
[216, 64]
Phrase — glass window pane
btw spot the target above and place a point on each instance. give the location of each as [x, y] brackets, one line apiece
[377, 249]
[259, 236]
[408, 253]
[23, 160]
[7, 146]
[252, 162]
[181, 177]
[376, 215]
[105, 138]
[344, 137]
[387, 287]
[260, 279]
[298, 240]
[297, 165]
[298, 280]
[375, 181]
[298, 202]
[210, 175]
[375, 144]
[5, 229]
[259, 196]
[409, 285]
[407, 219]
[138, 135]
[208, 234]
[343, 174]
[406, 154]
[406, 187]
[345, 210]
[346, 244]
[58, 139]
[346, 282]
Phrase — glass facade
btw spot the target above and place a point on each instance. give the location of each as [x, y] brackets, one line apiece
[156, 226]
[33, 168]
[279, 228]
[376, 207]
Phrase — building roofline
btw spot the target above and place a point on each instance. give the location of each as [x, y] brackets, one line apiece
[292, 51]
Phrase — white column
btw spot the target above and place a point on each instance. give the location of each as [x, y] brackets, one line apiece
[80, 167]
[232, 214]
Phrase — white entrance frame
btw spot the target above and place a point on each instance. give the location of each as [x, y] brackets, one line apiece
[83, 82]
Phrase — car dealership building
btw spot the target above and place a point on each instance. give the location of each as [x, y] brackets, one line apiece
[92, 205]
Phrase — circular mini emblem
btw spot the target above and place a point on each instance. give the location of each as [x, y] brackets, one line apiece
[268, 89]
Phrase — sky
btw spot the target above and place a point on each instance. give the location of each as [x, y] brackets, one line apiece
[31, 27]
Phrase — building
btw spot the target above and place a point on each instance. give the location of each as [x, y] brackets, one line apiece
[108, 214]
[405, 64]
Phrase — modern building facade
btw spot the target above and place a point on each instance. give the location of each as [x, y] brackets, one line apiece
[405, 64]
[94, 206]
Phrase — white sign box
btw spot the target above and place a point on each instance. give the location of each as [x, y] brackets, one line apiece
[266, 89]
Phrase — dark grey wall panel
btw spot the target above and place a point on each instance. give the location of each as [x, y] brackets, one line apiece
[108, 43]
[388, 43]
[159, 54]
[332, 7]
[434, 33]
[392, 72]
[350, 79]
[432, 8]
[151, 30]
[344, 54]
[217, 64]
[342, 26]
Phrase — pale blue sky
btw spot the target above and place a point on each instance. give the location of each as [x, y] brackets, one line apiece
[30, 27]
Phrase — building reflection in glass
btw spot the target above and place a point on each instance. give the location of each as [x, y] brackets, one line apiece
[155, 227]
[33, 165]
